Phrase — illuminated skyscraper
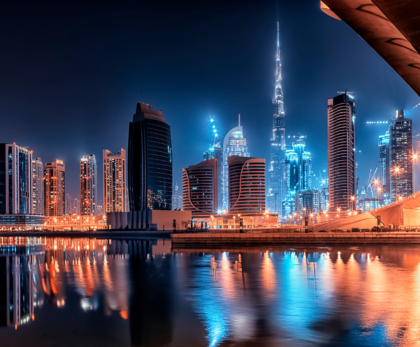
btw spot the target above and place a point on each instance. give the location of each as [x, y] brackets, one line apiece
[341, 152]
[400, 149]
[246, 186]
[88, 185]
[37, 187]
[199, 189]
[15, 179]
[69, 205]
[277, 186]
[114, 184]
[384, 165]
[234, 143]
[176, 198]
[149, 161]
[54, 189]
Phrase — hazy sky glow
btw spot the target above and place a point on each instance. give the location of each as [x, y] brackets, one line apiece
[73, 72]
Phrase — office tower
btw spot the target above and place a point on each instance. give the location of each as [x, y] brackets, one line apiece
[216, 152]
[149, 161]
[114, 184]
[88, 185]
[341, 152]
[304, 164]
[400, 149]
[246, 185]
[308, 201]
[54, 189]
[199, 189]
[234, 144]
[15, 179]
[100, 210]
[384, 165]
[177, 198]
[37, 187]
[69, 204]
[75, 207]
[277, 187]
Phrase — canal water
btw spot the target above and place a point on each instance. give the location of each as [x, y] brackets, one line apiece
[142, 292]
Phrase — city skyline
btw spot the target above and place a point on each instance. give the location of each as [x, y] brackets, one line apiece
[379, 91]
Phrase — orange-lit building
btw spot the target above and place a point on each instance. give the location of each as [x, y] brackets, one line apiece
[54, 189]
[88, 185]
[114, 184]
[75, 222]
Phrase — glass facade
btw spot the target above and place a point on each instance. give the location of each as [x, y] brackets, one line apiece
[149, 161]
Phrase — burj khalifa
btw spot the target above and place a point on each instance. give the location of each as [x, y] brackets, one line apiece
[276, 192]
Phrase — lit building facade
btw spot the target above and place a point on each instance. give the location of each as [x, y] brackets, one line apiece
[69, 204]
[176, 198]
[15, 179]
[37, 187]
[88, 185]
[341, 152]
[149, 161]
[246, 186]
[308, 201]
[199, 189]
[234, 144]
[277, 184]
[216, 152]
[384, 165]
[400, 150]
[114, 184]
[54, 189]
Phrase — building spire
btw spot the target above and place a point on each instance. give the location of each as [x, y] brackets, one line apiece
[239, 121]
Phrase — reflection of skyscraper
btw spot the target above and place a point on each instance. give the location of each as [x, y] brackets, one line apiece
[151, 315]
[149, 161]
[278, 141]
[15, 179]
[88, 185]
[37, 187]
[400, 149]
[341, 152]
[54, 189]
[234, 143]
[114, 185]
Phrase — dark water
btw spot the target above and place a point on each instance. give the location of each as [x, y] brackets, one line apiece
[86, 292]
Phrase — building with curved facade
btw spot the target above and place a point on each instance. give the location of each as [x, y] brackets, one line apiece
[149, 161]
[246, 186]
[341, 152]
[199, 189]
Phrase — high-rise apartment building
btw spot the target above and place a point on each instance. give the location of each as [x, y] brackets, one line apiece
[216, 152]
[69, 205]
[114, 184]
[277, 184]
[149, 161]
[15, 179]
[234, 144]
[88, 185]
[246, 186]
[75, 207]
[199, 189]
[37, 187]
[54, 189]
[400, 150]
[384, 165]
[341, 152]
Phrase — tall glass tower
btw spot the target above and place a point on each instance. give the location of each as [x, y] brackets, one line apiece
[276, 192]
[149, 161]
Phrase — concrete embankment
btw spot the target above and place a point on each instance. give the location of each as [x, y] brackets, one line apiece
[192, 240]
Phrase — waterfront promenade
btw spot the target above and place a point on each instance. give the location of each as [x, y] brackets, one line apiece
[223, 239]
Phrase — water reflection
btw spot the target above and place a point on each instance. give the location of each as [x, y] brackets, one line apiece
[137, 292]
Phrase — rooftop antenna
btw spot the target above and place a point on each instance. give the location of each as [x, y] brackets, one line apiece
[239, 121]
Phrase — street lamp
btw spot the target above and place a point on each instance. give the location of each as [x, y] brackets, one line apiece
[368, 206]
[352, 202]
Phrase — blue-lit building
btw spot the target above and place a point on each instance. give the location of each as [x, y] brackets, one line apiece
[234, 143]
[383, 163]
[276, 179]
[15, 179]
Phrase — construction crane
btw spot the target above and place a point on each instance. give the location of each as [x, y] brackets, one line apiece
[368, 186]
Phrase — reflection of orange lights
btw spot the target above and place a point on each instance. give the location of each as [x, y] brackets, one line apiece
[124, 314]
[33, 317]
[44, 286]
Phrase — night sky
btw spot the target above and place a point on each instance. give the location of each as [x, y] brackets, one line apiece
[72, 72]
